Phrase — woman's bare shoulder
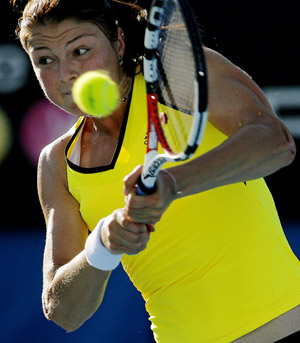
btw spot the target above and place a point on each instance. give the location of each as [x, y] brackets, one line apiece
[53, 154]
[52, 162]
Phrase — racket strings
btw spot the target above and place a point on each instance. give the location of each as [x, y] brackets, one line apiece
[176, 127]
[176, 87]
[170, 132]
[167, 119]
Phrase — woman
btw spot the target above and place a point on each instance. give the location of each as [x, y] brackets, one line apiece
[206, 274]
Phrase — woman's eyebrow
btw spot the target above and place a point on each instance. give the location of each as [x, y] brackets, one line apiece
[68, 43]
[78, 37]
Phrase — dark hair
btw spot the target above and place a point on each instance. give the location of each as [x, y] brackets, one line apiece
[107, 14]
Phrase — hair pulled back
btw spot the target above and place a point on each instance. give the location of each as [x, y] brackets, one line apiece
[107, 14]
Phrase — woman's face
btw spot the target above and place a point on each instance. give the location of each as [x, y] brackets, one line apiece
[60, 52]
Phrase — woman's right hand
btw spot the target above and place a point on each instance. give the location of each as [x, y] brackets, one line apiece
[119, 235]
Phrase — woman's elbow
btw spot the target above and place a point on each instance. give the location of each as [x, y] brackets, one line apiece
[68, 324]
[66, 319]
[291, 154]
[284, 147]
[289, 147]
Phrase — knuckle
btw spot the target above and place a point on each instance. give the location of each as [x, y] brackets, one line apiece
[140, 244]
[123, 221]
[113, 246]
[128, 200]
[138, 247]
[130, 212]
[108, 241]
[154, 219]
[109, 246]
[115, 214]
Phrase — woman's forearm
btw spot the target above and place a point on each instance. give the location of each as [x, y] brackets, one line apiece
[74, 293]
[252, 152]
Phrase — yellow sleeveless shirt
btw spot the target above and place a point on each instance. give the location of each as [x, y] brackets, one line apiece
[218, 265]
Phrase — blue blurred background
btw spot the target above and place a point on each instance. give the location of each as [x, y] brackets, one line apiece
[261, 37]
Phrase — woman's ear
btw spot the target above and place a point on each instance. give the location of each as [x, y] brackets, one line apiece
[121, 45]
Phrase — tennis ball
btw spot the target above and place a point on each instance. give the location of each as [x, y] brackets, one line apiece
[95, 93]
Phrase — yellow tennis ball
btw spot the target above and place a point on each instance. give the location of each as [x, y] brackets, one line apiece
[95, 93]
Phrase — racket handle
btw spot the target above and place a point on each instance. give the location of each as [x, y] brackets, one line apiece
[142, 189]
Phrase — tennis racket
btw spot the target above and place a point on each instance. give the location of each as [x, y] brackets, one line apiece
[176, 83]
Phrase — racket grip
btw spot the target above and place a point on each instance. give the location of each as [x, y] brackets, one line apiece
[144, 190]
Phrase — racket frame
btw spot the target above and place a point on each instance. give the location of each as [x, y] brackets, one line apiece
[153, 161]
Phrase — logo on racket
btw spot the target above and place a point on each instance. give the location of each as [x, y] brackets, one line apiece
[151, 171]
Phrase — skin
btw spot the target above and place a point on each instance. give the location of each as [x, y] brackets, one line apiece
[258, 145]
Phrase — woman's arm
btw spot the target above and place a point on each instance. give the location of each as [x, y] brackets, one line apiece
[258, 143]
[73, 289]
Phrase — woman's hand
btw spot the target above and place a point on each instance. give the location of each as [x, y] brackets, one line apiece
[120, 235]
[148, 209]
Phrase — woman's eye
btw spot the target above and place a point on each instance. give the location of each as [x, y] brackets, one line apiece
[45, 60]
[80, 51]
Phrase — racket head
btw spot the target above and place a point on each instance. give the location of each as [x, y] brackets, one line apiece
[175, 70]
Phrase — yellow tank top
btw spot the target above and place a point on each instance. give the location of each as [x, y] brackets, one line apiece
[218, 265]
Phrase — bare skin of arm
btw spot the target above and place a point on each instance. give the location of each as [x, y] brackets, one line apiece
[65, 266]
[73, 290]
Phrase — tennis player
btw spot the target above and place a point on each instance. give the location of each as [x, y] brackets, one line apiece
[218, 267]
